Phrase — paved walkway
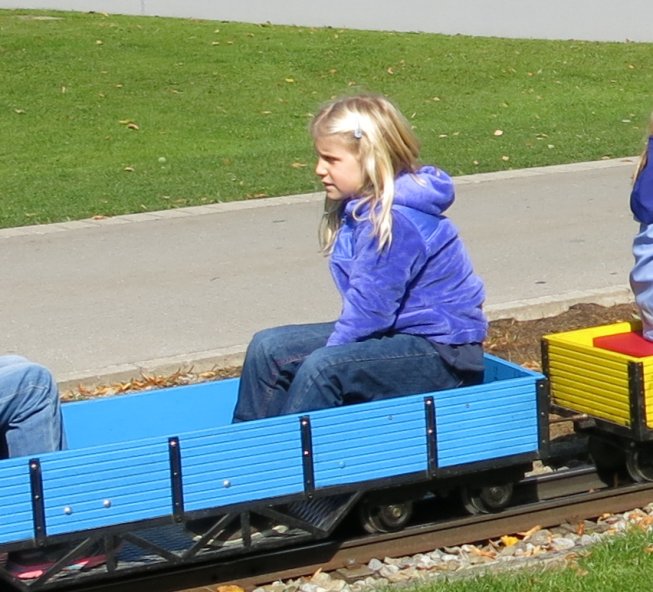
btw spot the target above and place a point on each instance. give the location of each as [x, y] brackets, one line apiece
[159, 290]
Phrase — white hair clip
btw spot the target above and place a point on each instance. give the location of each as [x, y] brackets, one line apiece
[358, 132]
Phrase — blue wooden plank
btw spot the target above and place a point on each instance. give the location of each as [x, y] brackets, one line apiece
[15, 501]
[483, 425]
[381, 439]
[161, 412]
[257, 468]
[115, 484]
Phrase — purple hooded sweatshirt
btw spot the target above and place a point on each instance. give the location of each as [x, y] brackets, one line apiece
[422, 284]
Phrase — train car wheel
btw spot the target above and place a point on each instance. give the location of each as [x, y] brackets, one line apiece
[639, 464]
[376, 518]
[608, 457]
[488, 499]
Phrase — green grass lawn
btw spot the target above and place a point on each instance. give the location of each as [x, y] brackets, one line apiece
[621, 563]
[103, 115]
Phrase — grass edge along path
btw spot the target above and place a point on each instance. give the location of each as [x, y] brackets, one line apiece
[104, 115]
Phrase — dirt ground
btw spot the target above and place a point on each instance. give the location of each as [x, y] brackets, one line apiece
[519, 341]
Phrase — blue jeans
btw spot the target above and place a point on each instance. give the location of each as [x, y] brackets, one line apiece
[289, 370]
[30, 412]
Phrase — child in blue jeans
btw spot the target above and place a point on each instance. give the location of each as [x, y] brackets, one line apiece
[31, 424]
[641, 204]
[30, 413]
[412, 318]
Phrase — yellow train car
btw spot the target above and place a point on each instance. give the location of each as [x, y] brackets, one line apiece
[603, 376]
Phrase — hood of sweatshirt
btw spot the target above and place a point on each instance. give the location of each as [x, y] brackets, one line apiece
[429, 190]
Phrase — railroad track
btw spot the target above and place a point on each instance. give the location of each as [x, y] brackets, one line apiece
[546, 500]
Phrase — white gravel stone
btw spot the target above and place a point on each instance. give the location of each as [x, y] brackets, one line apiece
[562, 544]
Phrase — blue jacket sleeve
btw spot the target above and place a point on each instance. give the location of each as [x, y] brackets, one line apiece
[641, 197]
[378, 281]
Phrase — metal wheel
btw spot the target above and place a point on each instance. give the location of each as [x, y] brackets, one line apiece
[639, 464]
[377, 518]
[608, 457]
[485, 500]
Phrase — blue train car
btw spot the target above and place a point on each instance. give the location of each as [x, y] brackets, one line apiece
[141, 469]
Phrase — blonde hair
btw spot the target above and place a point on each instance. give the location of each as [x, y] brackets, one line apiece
[382, 140]
[643, 157]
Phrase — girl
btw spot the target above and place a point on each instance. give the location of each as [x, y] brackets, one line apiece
[641, 204]
[412, 319]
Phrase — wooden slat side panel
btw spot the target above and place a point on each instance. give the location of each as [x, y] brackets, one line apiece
[243, 462]
[592, 381]
[15, 501]
[368, 442]
[485, 425]
[647, 364]
[110, 486]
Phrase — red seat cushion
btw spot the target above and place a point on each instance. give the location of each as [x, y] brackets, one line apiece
[631, 344]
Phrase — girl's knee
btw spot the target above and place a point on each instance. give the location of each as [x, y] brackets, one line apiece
[319, 361]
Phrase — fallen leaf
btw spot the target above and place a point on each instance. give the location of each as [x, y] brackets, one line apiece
[498, 132]
[129, 169]
[509, 541]
[290, 80]
[229, 588]
[505, 158]
[390, 71]
[531, 531]
[133, 126]
[298, 165]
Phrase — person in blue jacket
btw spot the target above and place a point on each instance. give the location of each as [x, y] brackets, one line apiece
[412, 319]
[641, 204]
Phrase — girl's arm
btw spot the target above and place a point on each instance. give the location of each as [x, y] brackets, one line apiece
[377, 282]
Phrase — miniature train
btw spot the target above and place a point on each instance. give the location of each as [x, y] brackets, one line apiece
[156, 478]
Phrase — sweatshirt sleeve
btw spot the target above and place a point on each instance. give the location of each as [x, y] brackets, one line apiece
[378, 281]
[641, 197]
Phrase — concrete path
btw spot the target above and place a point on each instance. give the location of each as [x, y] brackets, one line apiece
[104, 298]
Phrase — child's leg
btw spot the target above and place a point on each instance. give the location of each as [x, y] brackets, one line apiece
[271, 362]
[367, 371]
[641, 277]
[30, 412]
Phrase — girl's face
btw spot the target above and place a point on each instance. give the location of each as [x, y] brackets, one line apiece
[338, 168]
